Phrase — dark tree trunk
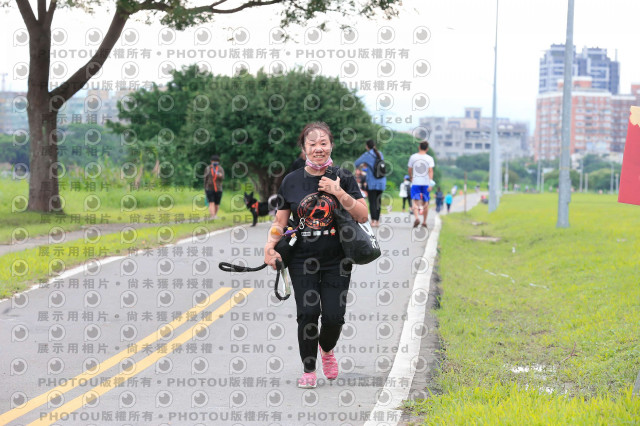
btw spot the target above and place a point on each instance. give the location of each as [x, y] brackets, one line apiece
[267, 184]
[43, 105]
[274, 185]
[263, 184]
[42, 114]
[43, 178]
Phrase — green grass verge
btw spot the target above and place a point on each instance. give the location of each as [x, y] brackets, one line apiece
[186, 204]
[564, 303]
[39, 260]
[514, 405]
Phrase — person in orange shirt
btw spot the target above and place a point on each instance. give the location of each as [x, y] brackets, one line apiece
[213, 177]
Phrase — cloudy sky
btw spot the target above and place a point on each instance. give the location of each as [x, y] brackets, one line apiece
[435, 50]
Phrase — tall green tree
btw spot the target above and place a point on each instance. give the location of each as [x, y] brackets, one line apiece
[44, 104]
[254, 122]
[154, 120]
[157, 112]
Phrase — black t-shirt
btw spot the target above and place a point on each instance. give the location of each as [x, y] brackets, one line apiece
[319, 237]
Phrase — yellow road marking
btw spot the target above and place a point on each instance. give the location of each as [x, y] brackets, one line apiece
[37, 401]
[141, 365]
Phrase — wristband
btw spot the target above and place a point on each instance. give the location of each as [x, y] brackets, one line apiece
[276, 230]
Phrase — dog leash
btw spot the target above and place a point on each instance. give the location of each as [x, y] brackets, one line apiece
[280, 269]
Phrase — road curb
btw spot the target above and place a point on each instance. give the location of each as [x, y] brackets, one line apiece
[400, 378]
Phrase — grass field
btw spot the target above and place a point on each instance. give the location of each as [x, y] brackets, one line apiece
[543, 326]
[19, 270]
[115, 205]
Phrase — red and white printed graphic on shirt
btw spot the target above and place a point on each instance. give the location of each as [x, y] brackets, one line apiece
[317, 209]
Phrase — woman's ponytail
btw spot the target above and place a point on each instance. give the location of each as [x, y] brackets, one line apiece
[372, 145]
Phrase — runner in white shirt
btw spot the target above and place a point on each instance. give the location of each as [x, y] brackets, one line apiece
[421, 173]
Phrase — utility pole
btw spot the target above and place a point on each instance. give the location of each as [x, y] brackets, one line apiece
[494, 155]
[617, 183]
[539, 174]
[564, 182]
[586, 182]
[611, 179]
[506, 175]
[581, 172]
[465, 192]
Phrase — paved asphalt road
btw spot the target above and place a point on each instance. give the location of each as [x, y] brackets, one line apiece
[165, 337]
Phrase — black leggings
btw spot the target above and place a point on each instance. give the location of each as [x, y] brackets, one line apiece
[374, 203]
[321, 292]
[406, 200]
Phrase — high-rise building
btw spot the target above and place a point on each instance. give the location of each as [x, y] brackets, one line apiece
[451, 137]
[620, 106]
[591, 62]
[598, 120]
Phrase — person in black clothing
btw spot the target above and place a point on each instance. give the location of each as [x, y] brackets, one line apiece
[439, 200]
[319, 272]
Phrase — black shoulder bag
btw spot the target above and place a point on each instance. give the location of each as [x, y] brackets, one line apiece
[358, 240]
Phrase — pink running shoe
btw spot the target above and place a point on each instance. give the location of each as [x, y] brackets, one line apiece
[307, 381]
[329, 365]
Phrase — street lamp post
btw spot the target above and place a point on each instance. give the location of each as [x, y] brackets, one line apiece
[586, 182]
[564, 182]
[611, 180]
[581, 172]
[506, 174]
[494, 155]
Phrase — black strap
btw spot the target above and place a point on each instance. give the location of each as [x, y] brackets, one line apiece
[229, 267]
[279, 267]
